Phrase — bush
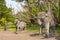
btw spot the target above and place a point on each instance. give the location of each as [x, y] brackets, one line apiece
[58, 28]
[32, 27]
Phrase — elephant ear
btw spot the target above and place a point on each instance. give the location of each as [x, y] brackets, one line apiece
[16, 20]
[39, 21]
[41, 15]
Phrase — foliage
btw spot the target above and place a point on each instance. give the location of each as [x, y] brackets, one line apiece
[4, 12]
[32, 27]
[43, 7]
[55, 11]
[9, 26]
[58, 28]
[33, 8]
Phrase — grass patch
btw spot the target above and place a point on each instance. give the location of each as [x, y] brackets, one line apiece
[58, 28]
[32, 27]
[10, 26]
[1, 27]
[28, 27]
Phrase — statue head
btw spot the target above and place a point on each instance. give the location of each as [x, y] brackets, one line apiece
[46, 11]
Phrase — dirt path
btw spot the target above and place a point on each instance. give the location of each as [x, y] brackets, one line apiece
[23, 35]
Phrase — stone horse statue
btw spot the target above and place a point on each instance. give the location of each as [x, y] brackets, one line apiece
[45, 19]
[19, 25]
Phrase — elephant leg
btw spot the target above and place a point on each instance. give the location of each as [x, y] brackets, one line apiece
[24, 28]
[16, 30]
[53, 31]
[47, 30]
[5, 28]
[40, 30]
[19, 28]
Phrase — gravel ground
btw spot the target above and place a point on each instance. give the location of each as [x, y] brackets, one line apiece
[22, 35]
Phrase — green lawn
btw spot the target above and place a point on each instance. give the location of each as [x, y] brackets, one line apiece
[30, 27]
[10, 26]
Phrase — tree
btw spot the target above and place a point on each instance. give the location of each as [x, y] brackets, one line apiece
[4, 13]
[35, 6]
[55, 10]
[19, 0]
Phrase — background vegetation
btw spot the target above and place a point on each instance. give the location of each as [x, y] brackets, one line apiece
[33, 7]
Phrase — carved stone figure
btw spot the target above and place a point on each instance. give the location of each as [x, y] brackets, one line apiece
[45, 19]
[19, 25]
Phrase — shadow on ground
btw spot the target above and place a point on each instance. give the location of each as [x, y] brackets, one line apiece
[35, 34]
[57, 37]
